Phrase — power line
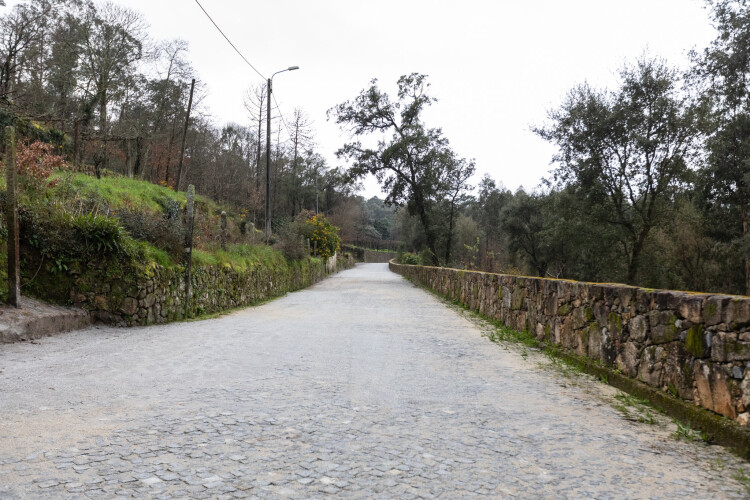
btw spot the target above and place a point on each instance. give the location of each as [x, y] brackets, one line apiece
[288, 130]
[228, 40]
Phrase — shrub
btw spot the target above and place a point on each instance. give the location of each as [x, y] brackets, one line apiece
[163, 231]
[291, 242]
[36, 163]
[99, 234]
[410, 259]
[324, 237]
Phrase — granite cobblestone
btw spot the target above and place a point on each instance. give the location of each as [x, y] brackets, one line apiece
[362, 386]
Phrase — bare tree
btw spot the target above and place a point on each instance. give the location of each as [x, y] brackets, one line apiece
[255, 104]
[302, 136]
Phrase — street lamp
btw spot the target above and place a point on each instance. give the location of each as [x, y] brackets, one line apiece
[268, 153]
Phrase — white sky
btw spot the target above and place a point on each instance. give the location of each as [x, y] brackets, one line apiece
[496, 66]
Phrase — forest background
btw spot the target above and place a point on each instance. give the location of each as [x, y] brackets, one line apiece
[649, 186]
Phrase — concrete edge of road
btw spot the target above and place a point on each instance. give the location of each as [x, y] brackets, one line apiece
[35, 319]
[713, 428]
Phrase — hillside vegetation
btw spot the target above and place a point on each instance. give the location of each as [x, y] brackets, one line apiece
[72, 222]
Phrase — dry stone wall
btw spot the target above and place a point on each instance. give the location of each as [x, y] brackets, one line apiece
[378, 257]
[696, 346]
[157, 294]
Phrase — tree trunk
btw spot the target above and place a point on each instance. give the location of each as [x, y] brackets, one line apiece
[636, 254]
[427, 230]
[450, 235]
[77, 143]
[103, 131]
[746, 258]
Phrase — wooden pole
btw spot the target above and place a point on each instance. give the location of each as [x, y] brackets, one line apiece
[14, 265]
[189, 219]
[223, 230]
[184, 136]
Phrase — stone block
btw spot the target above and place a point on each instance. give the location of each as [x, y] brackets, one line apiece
[582, 316]
[568, 337]
[506, 297]
[100, 303]
[638, 328]
[698, 342]
[597, 339]
[651, 367]
[725, 346]
[628, 360]
[643, 300]
[712, 388]
[601, 313]
[517, 297]
[712, 310]
[149, 300]
[614, 325]
[627, 297]
[540, 332]
[691, 309]
[662, 326]
[77, 297]
[745, 387]
[129, 306]
[736, 313]
[678, 370]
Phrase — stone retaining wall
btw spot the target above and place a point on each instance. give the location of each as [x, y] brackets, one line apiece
[378, 257]
[696, 346]
[157, 295]
[369, 256]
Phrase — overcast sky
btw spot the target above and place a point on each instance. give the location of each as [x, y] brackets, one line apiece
[496, 66]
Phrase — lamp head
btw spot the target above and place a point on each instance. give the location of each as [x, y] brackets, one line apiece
[292, 68]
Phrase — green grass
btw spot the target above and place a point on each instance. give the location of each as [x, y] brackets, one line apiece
[121, 192]
[634, 409]
[743, 478]
[684, 431]
[241, 257]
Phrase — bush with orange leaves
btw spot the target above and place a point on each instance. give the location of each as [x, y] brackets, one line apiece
[36, 162]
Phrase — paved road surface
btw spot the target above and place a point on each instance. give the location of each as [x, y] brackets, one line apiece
[362, 386]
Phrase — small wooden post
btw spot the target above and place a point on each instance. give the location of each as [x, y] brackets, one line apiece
[14, 266]
[223, 230]
[189, 220]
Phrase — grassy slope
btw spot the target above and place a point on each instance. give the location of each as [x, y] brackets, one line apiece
[77, 193]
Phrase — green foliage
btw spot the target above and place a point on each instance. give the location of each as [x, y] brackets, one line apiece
[602, 151]
[98, 234]
[415, 165]
[410, 259]
[117, 192]
[323, 236]
[634, 409]
[684, 431]
[292, 237]
[743, 477]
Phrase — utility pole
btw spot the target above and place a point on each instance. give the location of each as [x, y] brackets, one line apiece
[268, 162]
[268, 152]
[184, 136]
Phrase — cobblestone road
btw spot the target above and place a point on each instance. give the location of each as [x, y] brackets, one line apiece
[362, 386]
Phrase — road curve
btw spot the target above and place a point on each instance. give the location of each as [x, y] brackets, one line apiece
[362, 386]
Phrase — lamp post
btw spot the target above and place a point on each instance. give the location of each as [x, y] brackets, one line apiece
[268, 152]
